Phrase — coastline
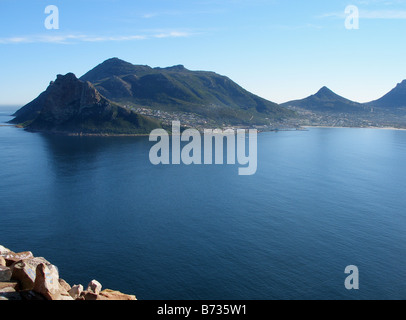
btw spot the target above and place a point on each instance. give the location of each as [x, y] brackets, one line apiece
[377, 128]
[77, 134]
[80, 134]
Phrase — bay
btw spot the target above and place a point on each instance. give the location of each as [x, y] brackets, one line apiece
[321, 200]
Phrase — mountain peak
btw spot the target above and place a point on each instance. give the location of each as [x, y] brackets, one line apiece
[179, 67]
[402, 84]
[115, 61]
[325, 91]
[67, 77]
[113, 67]
[326, 100]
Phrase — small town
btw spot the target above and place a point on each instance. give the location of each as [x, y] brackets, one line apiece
[304, 119]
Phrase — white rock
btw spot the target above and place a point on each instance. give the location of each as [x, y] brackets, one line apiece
[4, 250]
[76, 291]
[94, 286]
[46, 282]
[24, 271]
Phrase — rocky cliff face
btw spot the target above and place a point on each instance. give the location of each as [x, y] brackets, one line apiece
[72, 106]
[68, 97]
[25, 277]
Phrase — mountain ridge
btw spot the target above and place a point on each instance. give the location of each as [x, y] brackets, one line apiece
[178, 89]
[326, 100]
[395, 98]
[134, 98]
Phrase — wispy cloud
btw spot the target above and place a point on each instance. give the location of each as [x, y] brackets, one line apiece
[75, 38]
[150, 15]
[172, 34]
[383, 14]
[42, 39]
[370, 14]
[298, 27]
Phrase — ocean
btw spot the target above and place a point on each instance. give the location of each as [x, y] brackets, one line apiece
[321, 200]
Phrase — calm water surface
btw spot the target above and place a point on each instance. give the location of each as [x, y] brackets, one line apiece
[321, 200]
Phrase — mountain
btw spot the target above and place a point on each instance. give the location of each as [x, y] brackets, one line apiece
[177, 89]
[396, 98]
[326, 100]
[72, 106]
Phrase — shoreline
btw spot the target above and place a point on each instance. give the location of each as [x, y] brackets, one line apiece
[77, 134]
[377, 128]
[301, 128]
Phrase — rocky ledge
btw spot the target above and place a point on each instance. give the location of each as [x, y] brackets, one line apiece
[25, 277]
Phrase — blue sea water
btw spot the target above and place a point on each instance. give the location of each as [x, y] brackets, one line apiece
[321, 200]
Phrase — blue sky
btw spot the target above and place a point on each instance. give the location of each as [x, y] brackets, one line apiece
[278, 49]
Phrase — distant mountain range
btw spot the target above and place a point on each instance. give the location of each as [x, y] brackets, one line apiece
[104, 99]
[326, 100]
[326, 108]
[117, 97]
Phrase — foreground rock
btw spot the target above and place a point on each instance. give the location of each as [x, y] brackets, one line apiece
[25, 277]
[5, 274]
[25, 271]
[116, 295]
